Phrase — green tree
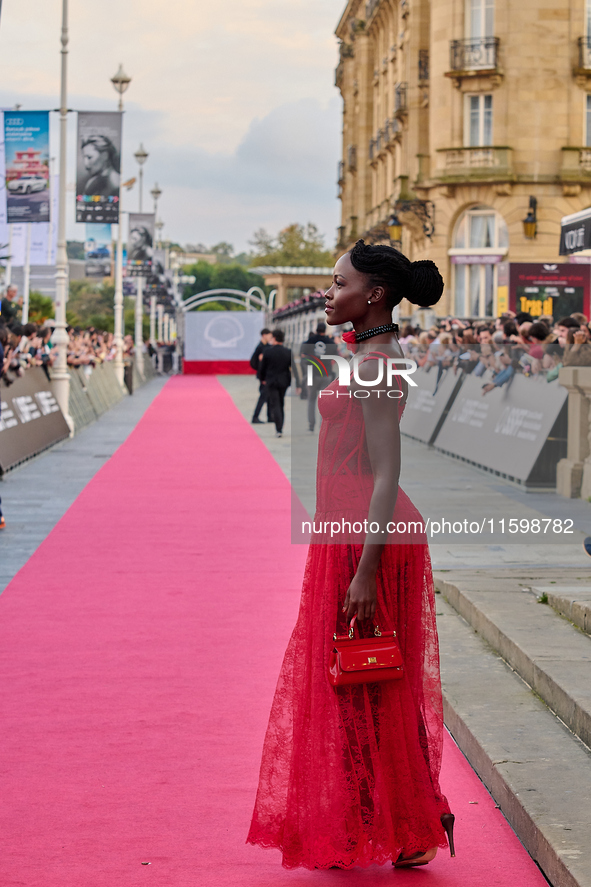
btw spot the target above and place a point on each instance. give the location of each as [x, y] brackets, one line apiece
[202, 271]
[129, 321]
[224, 276]
[296, 246]
[219, 306]
[91, 304]
[235, 277]
[40, 307]
[224, 252]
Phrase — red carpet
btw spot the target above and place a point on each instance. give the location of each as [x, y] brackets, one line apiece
[140, 647]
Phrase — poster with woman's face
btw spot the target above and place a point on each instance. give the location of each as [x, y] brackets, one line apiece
[140, 244]
[98, 166]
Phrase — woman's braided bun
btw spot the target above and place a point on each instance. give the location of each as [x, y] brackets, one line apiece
[427, 283]
[419, 282]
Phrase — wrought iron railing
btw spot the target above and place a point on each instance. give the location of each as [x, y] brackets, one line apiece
[352, 158]
[423, 64]
[340, 172]
[400, 98]
[585, 53]
[475, 53]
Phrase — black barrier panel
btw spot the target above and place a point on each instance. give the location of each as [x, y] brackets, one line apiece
[427, 403]
[30, 418]
[506, 429]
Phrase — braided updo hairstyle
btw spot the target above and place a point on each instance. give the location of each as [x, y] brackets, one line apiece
[419, 282]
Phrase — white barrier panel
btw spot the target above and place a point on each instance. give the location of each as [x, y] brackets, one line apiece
[222, 335]
[507, 429]
[427, 402]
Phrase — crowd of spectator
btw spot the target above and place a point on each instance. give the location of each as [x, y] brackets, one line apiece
[497, 350]
[30, 344]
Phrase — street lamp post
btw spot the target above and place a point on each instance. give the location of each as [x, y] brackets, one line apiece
[141, 155]
[159, 225]
[59, 374]
[121, 82]
[139, 325]
[156, 194]
[153, 320]
[160, 310]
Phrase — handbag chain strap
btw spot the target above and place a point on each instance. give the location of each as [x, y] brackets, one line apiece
[376, 630]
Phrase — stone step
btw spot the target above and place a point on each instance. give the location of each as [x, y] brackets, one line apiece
[573, 602]
[537, 771]
[546, 650]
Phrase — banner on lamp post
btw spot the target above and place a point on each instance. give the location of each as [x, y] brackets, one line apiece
[98, 166]
[97, 250]
[43, 236]
[26, 145]
[140, 244]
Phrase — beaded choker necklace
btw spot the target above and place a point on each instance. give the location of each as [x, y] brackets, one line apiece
[354, 338]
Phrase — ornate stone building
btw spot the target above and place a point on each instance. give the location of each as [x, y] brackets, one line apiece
[465, 117]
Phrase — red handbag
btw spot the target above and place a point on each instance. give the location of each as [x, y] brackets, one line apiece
[365, 660]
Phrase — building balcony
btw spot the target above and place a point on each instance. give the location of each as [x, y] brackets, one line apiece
[400, 100]
[476, 62]
[423, 65]
[485, 164]
[352, 158]
[583, 71]
[340, 172]
[475, 54]
[385, 140]
[391, 132]
[576, 165]
[584, 53]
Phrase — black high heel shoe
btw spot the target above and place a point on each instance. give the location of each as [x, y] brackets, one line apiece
[405, 862]
[447, 821]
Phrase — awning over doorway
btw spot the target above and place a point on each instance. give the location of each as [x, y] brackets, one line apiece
[575, 232]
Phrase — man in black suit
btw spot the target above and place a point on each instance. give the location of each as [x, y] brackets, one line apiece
[316, 346]
[275, 374]
[255, 362]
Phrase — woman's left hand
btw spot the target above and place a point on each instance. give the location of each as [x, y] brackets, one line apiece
[361, 599]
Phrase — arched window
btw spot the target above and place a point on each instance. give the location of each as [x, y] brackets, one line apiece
[480, 242]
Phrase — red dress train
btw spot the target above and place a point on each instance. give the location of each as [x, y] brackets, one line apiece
[350, 776]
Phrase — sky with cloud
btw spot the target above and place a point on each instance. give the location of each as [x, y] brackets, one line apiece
[234, 102]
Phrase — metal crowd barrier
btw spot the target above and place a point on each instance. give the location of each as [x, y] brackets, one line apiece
[93, 394]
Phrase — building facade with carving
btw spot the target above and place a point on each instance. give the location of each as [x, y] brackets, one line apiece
[465, 118]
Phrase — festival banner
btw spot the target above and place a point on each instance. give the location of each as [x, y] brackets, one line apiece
[140, 246]
[98, 165]
[26, 145]
[97, 250]
[43, 236]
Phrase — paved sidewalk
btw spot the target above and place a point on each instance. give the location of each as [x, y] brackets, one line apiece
[36, 495]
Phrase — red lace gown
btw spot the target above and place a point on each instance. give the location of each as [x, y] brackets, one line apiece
[350, 776]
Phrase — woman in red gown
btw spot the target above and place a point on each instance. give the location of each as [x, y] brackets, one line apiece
[350, 775]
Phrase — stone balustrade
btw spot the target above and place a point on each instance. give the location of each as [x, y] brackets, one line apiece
[573, 474]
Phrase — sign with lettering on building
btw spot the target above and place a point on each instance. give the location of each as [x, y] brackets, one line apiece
[575, 232]
[30, 418]
[551, 288]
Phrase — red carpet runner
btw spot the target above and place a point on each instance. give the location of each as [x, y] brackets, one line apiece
[139, 649]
